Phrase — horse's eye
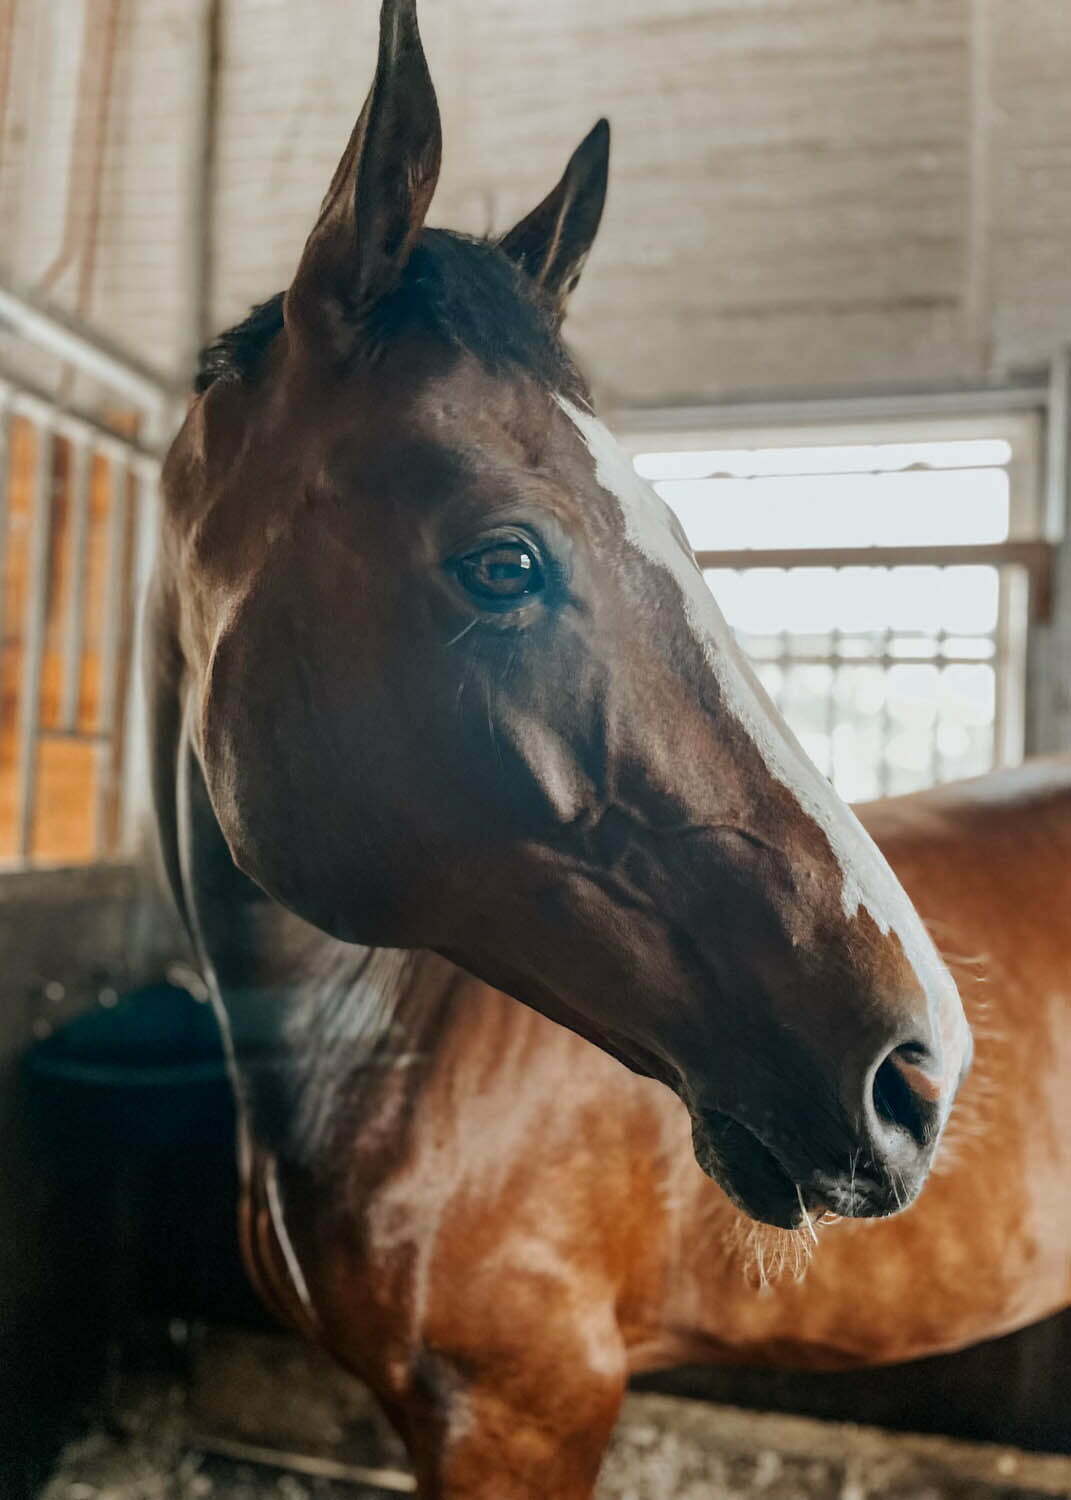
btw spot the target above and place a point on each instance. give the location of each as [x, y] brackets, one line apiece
[502, 572]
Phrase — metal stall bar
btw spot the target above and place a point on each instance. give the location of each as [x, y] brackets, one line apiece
[27, 400]
[135, 749]
[37, 603]
[74, 631]
[62, 337]
[114, 594]
[5, 491]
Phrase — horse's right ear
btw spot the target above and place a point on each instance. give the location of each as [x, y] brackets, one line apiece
[379, 195]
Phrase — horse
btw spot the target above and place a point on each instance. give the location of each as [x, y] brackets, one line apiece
[442, 710]
[497, 1305]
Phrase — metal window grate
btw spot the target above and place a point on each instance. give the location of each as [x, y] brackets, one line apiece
[899, 660]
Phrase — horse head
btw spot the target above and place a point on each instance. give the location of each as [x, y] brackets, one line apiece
[457, 683]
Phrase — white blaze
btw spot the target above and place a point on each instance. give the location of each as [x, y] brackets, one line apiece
[868, 882]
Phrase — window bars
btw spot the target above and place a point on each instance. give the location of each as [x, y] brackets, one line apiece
[899, 661]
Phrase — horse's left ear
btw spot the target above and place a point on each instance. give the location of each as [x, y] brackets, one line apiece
[552, 243]
[379, 195]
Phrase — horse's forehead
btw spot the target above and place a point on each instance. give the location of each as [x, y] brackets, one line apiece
[465, 426]
[467, 405]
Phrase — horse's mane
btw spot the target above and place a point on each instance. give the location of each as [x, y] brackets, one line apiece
[466, 291]
[236, 353]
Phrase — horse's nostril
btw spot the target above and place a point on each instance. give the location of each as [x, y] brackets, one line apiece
[905, 1093]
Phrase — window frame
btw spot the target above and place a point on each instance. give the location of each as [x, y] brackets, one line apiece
[1024, 561]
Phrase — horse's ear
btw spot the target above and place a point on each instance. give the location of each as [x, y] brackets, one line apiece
[552, 243]
[379, 195]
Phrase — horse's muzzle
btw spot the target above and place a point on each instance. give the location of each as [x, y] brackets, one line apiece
[869, 1163]
[764, 1186]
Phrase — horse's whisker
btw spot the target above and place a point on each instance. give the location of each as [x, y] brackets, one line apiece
[806, 1216]
[455, 638]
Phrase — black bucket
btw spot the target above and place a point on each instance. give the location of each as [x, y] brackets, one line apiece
[134, 1105]
[146, 1072]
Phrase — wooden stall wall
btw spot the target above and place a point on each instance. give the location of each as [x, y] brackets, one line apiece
[73, 761]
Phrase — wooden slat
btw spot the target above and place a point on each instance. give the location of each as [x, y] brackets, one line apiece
[83, 620]
[1035, 556]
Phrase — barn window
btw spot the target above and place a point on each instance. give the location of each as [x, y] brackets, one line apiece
[879, 579]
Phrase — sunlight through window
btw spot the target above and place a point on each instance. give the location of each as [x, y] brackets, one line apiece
[893, 677]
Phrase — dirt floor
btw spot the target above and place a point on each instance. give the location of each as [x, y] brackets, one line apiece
[217, 1413]
[142, 1452]
[664, 1450]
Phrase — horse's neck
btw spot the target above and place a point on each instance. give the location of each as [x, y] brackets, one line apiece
[315, 1026]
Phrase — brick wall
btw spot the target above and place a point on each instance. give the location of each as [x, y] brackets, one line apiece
[806, 193]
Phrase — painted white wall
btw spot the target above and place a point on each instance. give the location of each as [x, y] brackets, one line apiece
[139, 294]
[805, 194]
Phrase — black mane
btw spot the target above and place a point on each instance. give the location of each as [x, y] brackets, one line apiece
[235, 354]
[464, 290]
